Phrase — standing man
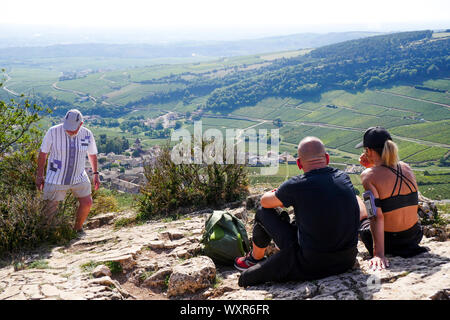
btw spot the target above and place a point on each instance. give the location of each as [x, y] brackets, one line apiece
[68, 144]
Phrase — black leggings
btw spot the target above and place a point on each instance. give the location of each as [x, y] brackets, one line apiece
[404, 244]
[279, 228]
[292, 262]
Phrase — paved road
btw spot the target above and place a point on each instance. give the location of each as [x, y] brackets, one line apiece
[6, 89]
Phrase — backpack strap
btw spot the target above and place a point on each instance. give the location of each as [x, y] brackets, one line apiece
[213, 219]
[242, 231]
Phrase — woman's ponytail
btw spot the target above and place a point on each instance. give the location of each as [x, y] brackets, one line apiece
[389, 156]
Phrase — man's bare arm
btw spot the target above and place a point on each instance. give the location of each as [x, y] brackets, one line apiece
[42, 158]
[93, 161]
[94, 165]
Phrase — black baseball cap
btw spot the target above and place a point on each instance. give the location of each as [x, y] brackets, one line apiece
[374, 138]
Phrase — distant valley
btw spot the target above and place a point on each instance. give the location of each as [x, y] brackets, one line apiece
[332, 87]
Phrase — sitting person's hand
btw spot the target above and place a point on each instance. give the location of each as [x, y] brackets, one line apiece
[378, 263]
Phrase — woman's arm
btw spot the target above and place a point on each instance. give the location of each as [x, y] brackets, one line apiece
[378, 261]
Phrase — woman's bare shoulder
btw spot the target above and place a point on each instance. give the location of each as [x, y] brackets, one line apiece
[368, 174]
[404, 165]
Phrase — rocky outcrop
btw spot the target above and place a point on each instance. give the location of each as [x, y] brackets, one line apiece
[190, 276]
[101, 271]
[427, 208]
[163, 260]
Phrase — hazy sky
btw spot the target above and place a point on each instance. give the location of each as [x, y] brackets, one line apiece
[370, 15]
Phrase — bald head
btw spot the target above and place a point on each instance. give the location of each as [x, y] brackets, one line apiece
[312, 154]
[311, 148]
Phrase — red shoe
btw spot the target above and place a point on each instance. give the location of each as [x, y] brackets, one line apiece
[243, 263]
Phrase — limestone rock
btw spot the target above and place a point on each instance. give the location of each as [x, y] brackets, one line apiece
[441, 295]
[253, 201]
[194, 274]
[106, 281]
[438, 233]
[101, 271]
[100, 220]
[292, 290]
[240, 213]
[126, 261]
[9, 292]
[323, 297]
[50, 291]
[172, 234]
[156, 244]
[427, 208]
[158, 279]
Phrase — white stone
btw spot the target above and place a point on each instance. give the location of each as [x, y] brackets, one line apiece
[194, 274]
[50, 291]
[101, 271]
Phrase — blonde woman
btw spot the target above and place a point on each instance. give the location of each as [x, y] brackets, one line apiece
[394, 229]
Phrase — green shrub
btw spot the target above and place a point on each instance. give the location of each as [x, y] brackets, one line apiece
[170, 188]
[103, 202]
[123, 222]
[114, 266]
[25, 225]
[38, 264]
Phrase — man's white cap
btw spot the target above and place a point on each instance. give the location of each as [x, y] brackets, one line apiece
[72, 120]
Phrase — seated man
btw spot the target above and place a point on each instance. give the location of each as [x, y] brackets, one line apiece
[323, 240]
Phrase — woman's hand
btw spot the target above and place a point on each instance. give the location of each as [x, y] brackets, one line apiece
[364, 161]
[378, 263]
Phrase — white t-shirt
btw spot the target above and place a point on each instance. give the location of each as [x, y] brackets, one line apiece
[66, 163]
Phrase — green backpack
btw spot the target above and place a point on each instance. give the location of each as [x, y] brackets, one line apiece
[225, 238]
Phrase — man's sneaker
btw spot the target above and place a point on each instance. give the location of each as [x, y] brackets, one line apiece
[243, 263]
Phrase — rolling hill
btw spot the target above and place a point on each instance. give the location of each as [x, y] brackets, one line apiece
[399, 81]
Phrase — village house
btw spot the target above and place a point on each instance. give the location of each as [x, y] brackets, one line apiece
[286, 157]
[354, 169]
[125, 186]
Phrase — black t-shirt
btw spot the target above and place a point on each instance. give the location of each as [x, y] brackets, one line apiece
[326, 209]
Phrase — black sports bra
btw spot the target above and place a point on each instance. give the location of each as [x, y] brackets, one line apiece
[398, 201]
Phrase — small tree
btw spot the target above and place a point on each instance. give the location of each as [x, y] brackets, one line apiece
[171, 187]
[277, 122]
[23, 223]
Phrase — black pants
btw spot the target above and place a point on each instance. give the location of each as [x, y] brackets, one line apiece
[292, 262]
[404, 244]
